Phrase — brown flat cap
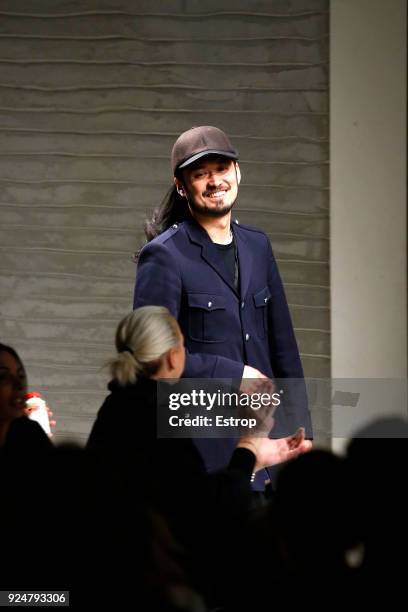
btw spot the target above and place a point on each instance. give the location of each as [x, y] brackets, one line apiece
[198, 142]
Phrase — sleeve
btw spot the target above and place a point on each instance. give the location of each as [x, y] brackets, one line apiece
[158, 283]
[285, 358]
[284, 353]
[212, 498]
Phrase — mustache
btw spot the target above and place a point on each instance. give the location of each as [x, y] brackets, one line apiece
[218, 188]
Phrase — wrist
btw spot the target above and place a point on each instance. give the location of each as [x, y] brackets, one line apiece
[250, 444]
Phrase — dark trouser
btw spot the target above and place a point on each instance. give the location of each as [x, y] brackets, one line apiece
[262, 498]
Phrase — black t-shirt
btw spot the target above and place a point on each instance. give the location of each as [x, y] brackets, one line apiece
[230, 259]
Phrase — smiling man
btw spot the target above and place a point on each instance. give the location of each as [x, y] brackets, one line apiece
[220, 280]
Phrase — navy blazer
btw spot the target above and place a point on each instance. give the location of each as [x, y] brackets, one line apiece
[224, 330]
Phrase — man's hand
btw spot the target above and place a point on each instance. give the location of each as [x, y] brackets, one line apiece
[253, 381]
[272, 452]
[250, 372]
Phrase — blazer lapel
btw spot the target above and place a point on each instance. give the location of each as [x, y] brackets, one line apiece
[199, 236]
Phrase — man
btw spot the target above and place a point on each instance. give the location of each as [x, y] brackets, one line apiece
[221, 282]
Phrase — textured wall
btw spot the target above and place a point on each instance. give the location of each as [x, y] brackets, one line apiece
[93, 94]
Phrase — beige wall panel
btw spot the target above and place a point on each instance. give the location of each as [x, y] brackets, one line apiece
[92, 97]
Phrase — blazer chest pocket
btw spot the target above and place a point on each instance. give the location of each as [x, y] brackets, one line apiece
[261, 299]
[206, 317]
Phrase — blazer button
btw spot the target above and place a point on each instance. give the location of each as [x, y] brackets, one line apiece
[209, 304]
[242, 304]
[247, 337]
[175, 226]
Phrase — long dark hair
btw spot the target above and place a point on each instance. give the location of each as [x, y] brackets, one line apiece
[4, 348]
[173, 209]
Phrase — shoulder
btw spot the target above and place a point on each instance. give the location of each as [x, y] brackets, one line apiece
[161, 244]
[251, 233]
[121, 397]
[166, 236]
[26, 435]
[248, 229]
[24, 424]
[126, 409]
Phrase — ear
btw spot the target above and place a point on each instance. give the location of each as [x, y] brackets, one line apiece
[238, 172]
[171, 358]
[179, 187]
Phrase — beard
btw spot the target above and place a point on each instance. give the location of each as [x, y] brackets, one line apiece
[206, 211]
[211, 212]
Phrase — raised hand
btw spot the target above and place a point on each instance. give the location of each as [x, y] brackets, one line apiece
[272, 452]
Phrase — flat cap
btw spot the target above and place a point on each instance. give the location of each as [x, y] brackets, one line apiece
[198, 142]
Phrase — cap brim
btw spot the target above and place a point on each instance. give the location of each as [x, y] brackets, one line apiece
[197, 156]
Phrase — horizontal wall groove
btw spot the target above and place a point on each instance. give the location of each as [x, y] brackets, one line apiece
[314, 262]
[84, 277]
[70, 206]
[315, 355]
[129, 254]
[63, 366]
[165, 86]
[162, 39]
[307, 285]
[65, 391]
[182, 16]
[65, 434]
[297, 236]
[165, 158]
[312, 329]
[24, 249]
[56, 344]
[146, 183]
[137, 109]
[59, 320]
[287, 213]
[307, 307]
[93, 277]
[289, 138]
[59, 228]
[116, 230]
[119, 208]
[218, 64]
[74, 416]
[78, 298]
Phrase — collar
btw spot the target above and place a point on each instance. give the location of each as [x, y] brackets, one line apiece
[199, 236]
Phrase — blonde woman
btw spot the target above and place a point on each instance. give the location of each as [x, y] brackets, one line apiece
[150, 347]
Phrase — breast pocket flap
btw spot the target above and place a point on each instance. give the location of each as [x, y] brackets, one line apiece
[261, 298]
[206, 301]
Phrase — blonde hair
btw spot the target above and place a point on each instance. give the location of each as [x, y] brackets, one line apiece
[142, 337]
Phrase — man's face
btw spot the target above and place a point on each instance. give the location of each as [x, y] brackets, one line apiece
[211, 185]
